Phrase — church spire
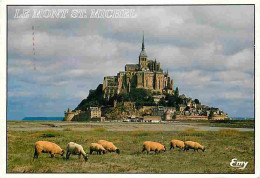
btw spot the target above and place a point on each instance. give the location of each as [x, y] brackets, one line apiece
[143, 53]
[143, 43]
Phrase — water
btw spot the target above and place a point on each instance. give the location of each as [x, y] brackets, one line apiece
[42, 118]
[242, 118]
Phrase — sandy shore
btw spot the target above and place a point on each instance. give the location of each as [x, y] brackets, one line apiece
[111, 126]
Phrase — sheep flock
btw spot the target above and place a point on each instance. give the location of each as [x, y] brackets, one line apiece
[103, 146]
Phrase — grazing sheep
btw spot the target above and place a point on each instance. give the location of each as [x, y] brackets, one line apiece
[177, 143]
[75, 149]
[193, 145]
[47, 147]
[153, 146]
[109, 146]
[97, 147]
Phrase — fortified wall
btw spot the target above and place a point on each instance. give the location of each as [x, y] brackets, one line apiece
[69, 115]
[218, 117]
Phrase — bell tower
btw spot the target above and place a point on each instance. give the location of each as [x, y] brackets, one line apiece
[143, 63]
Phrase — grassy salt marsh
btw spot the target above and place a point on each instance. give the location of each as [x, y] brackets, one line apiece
[221, 147]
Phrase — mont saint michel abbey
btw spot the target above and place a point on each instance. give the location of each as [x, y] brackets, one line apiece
[147, 74]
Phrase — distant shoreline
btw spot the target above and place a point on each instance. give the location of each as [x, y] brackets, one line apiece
[203, 125]
[60, 119]
[42, 118]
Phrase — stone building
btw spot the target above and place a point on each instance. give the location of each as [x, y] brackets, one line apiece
[78, 115]
[147, 74]
[95, 112]
[69, 114]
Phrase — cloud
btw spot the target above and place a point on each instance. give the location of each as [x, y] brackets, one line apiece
[232, 20]
[243, 60]
[51, 45]
[237, 78]
[208, 51]
[194, 78]
[235, 95]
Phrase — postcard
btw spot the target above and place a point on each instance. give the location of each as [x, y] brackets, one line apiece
[130, 89]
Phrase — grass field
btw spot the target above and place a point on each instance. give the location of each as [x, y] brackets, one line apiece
[233, 123]
[221, 146]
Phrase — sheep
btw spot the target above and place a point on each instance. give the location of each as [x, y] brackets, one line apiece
[153, 146]
[193, 145]
[75, 149]
[177, 143]
[109, 146]
[97, 147]
[46, 147]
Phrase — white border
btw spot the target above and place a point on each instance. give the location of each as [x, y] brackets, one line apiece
[3, 39]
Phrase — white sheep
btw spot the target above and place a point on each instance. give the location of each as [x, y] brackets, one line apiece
[75, 149]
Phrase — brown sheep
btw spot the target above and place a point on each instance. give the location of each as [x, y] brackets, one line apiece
[97, 147]
[193, 145]
[75, 149]
[177, 143]
[153, 146]
[47, 147]
[109, 146]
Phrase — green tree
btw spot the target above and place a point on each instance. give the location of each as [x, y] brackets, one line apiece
[171, 101]
[141, 97]
[176, 92]
[210, 115]
[174, 116]
[94, 98]
[162, 102]
[197, 101]
[133, 81]
[123, 97]
[177, 108]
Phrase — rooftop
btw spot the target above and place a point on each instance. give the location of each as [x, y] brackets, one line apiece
[131, 65]
[143, 53]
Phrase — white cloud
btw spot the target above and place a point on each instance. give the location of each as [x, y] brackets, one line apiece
[232, 75]
[168, 55]
[195, 78]
[208, 51]
[225, 17]
[53, 45]
[243, 60]
[236, 95]
[236, 78]
[81, 94]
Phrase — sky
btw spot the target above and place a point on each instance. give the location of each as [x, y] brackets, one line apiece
[208, 51]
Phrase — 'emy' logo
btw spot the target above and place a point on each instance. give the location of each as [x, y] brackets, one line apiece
[238, 164]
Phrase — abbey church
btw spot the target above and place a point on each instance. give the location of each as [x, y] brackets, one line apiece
[147, 74]
[103, 104]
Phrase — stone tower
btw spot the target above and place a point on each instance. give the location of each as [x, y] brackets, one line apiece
[143, 63]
